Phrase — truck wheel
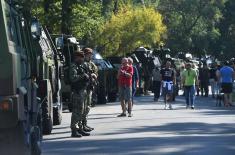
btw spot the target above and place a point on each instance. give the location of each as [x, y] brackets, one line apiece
[70, 107]
[36, 141]
[47, 116]
[112, 97]
[47, 126]
[57, 116]
[102, 98]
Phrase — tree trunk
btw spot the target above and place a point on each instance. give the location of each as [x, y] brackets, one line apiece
[65, 13]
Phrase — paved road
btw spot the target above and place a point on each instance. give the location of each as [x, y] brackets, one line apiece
[207, 130]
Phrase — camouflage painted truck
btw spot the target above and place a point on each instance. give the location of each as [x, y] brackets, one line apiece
[20, 112]
[29, 82]
[49, 73]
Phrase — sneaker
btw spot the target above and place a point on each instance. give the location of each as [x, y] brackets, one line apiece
[130, 115]
[192, 107]
[165, 107]
[122, 115]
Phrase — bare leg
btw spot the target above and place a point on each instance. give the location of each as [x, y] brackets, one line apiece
[230, 99]
[123, 106]
[226, 99]
[129, 106]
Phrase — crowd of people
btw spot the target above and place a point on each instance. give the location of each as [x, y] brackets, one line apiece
[167, 80]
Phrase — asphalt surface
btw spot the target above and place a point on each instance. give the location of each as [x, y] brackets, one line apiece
[207, 130]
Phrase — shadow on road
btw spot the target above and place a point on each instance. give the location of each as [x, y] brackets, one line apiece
[189, 138]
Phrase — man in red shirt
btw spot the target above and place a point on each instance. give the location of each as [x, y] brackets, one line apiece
[125, 74]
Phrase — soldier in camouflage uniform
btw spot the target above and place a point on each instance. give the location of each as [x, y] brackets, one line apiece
[92, 71]
[78, 78]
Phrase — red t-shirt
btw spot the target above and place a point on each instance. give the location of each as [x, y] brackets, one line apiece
[124, 80]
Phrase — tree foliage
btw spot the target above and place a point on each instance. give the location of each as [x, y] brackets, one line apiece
[86, 20]
[130, 28]
[192, 23]
[199, 26]
[226, 43]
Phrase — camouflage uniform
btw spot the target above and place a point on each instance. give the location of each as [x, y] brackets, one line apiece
[91, 69]
[79, 84]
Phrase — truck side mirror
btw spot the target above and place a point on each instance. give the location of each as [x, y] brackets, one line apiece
[59, 42]
[36, 29]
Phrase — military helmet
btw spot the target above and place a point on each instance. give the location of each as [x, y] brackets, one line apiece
[88, 51]
[78, 53]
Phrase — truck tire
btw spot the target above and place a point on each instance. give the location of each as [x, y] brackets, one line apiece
[112, 97]
[102, 98]
[57, 115]
[70, 106]
[36, 141]
[47, 121]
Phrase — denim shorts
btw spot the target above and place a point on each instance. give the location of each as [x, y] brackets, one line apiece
[125, 93]
[166, 90]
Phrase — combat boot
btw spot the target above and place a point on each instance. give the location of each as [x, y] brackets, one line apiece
[82, 132]
[75, 134]
[86, 127]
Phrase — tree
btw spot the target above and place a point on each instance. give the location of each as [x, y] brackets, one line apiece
[130, 28]
[192, 24]
[86, 21]
[226, 44]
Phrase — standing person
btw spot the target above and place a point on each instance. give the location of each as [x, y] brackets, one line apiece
[156, 82]
[227, 76]
[182, 69]
[147, 78]
[140, 72]
[199, 73]
[125, 74]
[79, 82]
[135, 78]
[93, 74]
[204, 75]
[189, 79]
[168, 80]
[212, 79]
[218, 79]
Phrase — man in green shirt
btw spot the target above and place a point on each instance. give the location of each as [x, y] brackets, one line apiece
[189, 80]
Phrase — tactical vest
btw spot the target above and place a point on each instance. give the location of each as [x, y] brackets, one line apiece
[81, 83]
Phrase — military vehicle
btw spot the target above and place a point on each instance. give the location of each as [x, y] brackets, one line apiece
[107, 88]
[20, 112]
[29, 82]
[149, 60]
[49, 71]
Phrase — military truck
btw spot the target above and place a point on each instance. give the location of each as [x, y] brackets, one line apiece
[29, 82]
[49, 71]
[20, 112]
[107, 88]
